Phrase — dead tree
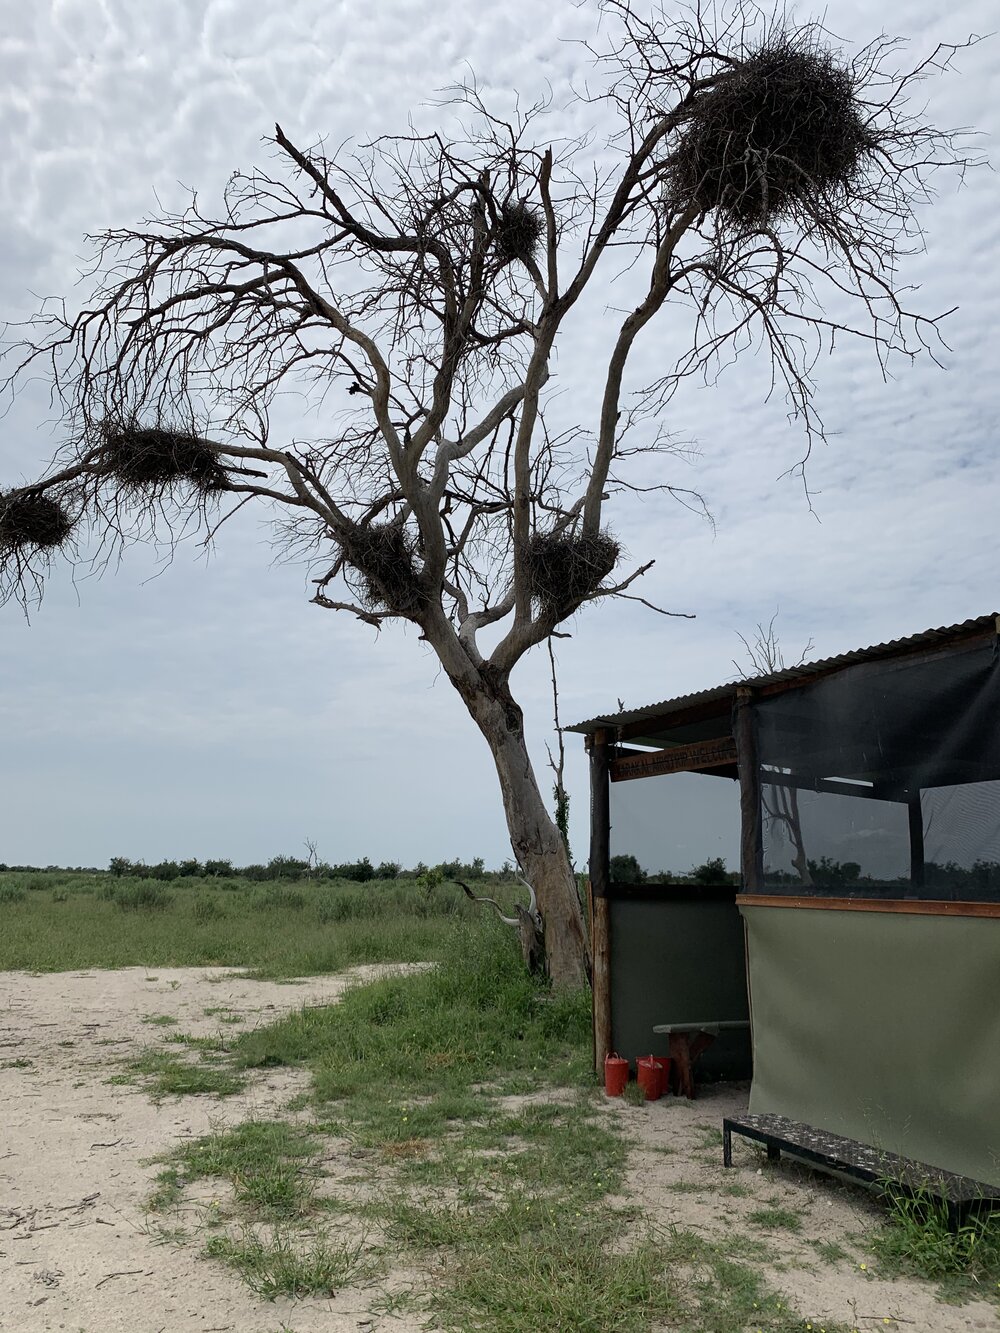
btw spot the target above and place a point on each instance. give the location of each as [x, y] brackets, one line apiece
[417, 288]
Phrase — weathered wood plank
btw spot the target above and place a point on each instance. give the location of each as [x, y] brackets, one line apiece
[691, 758]
[906, 906]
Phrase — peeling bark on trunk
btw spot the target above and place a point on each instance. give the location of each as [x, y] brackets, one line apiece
[535, 839]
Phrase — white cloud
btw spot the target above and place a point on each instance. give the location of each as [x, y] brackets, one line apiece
[212, 709]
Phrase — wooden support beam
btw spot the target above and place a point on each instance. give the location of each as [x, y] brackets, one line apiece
[600, 907]
[600, 945]
[751, 824]
[693, 758]
[600, 816]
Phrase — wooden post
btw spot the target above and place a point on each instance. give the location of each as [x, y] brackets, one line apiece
[751, 826]
[916, 841]
[600, 878]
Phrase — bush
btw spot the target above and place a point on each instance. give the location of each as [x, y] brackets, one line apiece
[207, 909]
[278, 898]
[143, 897]
[10, 894]
[358, 871]
[626, 869]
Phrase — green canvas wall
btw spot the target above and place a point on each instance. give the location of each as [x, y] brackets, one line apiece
[678, 960]
[881, 1026]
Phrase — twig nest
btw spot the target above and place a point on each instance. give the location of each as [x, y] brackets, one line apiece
[33, 520]
[780, 128]
[383, 554]
[147, 458]
[518, 232]
[563, 568]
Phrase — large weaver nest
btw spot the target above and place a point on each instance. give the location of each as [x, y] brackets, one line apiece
[780, 129]
[383, 555]
[518, 231]
[563, 569]
[33, 520]
[150, 458]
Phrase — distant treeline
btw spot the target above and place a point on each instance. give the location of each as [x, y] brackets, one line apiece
[981, 879]
[286, 868]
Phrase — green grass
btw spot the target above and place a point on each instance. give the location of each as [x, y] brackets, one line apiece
[775, 1219]
[275, 930]
[917, 1242]
[266, 1163]
[280, 1267]
[478, 1152]
[474, 1018]
[163, 1074]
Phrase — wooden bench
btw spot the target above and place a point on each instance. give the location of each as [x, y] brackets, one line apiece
[687, 1041]
[860, 1161]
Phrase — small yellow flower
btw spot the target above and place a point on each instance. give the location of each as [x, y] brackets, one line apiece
[863, 1267]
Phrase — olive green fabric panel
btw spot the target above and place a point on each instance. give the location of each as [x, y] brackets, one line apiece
[884, 1027]
[678, 962]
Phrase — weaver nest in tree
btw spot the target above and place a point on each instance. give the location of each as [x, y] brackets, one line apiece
[383, 554]
[518, 232]
[150, 458]
[779, 130]
[33, 520]
[563, 569]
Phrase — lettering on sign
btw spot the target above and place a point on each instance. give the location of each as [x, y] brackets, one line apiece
[678, 759]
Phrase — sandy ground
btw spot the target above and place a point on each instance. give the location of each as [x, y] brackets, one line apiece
[78, 1253]
[76, 1249]
[676, 1176]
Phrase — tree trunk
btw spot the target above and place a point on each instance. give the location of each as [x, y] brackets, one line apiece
[537, 843]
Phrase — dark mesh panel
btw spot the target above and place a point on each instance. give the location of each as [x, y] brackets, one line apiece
[821, 840]
[884, 780]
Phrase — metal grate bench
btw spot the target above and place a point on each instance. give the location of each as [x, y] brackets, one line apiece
[832, 1152]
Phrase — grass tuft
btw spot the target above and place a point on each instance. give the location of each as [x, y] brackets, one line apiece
[917, 1241]
[280, 1267]
[163, 1074]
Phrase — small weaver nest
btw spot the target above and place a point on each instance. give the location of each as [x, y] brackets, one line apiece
[147, 458]
[774, 134]
[563, 569]
[33, 519]
[518, 232]
[383, 555]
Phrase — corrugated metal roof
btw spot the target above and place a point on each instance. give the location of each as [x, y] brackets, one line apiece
[803, 672]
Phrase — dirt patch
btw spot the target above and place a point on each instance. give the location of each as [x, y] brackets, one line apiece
[677, 1178]
[77, 1250]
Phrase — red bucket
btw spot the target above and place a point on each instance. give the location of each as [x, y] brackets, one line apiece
[650, 1077]
[615, 1075]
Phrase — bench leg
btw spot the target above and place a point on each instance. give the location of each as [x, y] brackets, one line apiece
[773, 1153]
[727, 1146]
[680, 1056]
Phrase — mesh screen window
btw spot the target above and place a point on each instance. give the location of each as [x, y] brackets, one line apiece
[883, 780]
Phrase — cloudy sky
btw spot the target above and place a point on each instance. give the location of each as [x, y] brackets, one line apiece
[204, 708]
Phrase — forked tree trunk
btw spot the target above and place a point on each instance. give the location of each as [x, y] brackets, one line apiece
[535, 839]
